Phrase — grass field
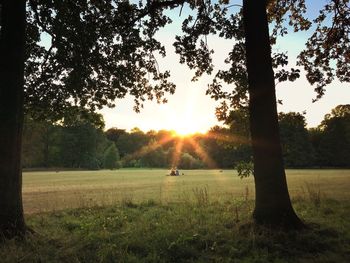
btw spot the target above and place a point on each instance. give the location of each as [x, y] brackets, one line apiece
[202, 216]
[48, 191]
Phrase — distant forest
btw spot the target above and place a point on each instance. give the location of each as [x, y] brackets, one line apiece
[80, 142]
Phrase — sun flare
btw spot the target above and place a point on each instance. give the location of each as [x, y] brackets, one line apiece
[183, 120]
[186, 129]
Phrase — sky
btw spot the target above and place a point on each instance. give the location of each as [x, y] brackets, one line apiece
[189, 110]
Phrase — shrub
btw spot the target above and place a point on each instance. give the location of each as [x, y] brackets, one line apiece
[111, 157]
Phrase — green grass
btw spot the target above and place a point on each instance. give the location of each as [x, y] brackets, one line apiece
[203, 216]
[51, 191]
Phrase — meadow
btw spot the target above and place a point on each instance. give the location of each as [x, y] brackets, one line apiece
[143, 215]
[57, 190]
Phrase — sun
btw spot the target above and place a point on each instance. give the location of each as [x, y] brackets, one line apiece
[183, 118]
[186, 126]
[186, 130]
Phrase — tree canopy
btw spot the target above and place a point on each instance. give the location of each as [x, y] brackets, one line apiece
[89, 53]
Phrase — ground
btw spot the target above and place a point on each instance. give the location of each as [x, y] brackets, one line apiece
[49, 191]
[202, 216]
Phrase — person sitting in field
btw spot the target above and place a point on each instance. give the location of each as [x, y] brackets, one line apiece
[177, 173]
[172, 172]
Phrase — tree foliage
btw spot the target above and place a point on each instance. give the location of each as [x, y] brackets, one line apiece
[296, 144]
[334, 143]
[327, 54]
[84, 145]
[97, 51]
[92, 53]
[111, 157]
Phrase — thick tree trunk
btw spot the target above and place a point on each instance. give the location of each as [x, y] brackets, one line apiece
[272, 202]
[12, 36]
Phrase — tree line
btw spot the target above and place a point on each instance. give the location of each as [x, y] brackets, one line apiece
[83, 144]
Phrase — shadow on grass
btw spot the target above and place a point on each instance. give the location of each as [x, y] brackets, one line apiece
[197, 232]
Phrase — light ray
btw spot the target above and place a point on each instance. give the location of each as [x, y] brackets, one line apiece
[231, 138]
[202, 154]
[148, 148]
[228, 138]
[177, 152]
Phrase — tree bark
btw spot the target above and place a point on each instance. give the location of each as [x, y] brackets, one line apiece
[272, 202]
[12, 37]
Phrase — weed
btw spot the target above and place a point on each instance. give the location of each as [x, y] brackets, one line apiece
[149, 203]
[201, 195]
[314, 193]
[127, 200]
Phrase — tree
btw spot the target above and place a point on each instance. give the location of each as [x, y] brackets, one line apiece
[113, 134]
[187, 161]
[154, 156]
[315, 135]
[111, 157]
[296, 145]
[78, 146]
[220, 147]
[40, 143]
[334, 140]
[12, 26]
[98, 53]
[81, 140]
[250, 70]
[272, 202]
[33, 144]
[239, 132]
[327, 54]
[130, 143]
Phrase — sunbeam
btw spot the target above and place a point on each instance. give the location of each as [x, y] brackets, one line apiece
[228, 138]
[177, 152]
[149, 148]
[202, 154]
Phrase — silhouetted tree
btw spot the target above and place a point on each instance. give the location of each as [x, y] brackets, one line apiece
[334, 143]
[251, 71]
[129, 143]
[113, 134]
[296, 144]
[97, 54]
[12, 25]
[40, 143]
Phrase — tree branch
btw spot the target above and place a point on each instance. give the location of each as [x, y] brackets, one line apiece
[155, 5]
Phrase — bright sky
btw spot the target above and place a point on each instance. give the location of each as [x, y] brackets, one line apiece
[190, 110]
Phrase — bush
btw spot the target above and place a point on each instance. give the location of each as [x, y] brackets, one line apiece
[111, 157]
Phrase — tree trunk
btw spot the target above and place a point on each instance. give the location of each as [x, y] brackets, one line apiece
[272, 202]
[12, 36]
[46, 150]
